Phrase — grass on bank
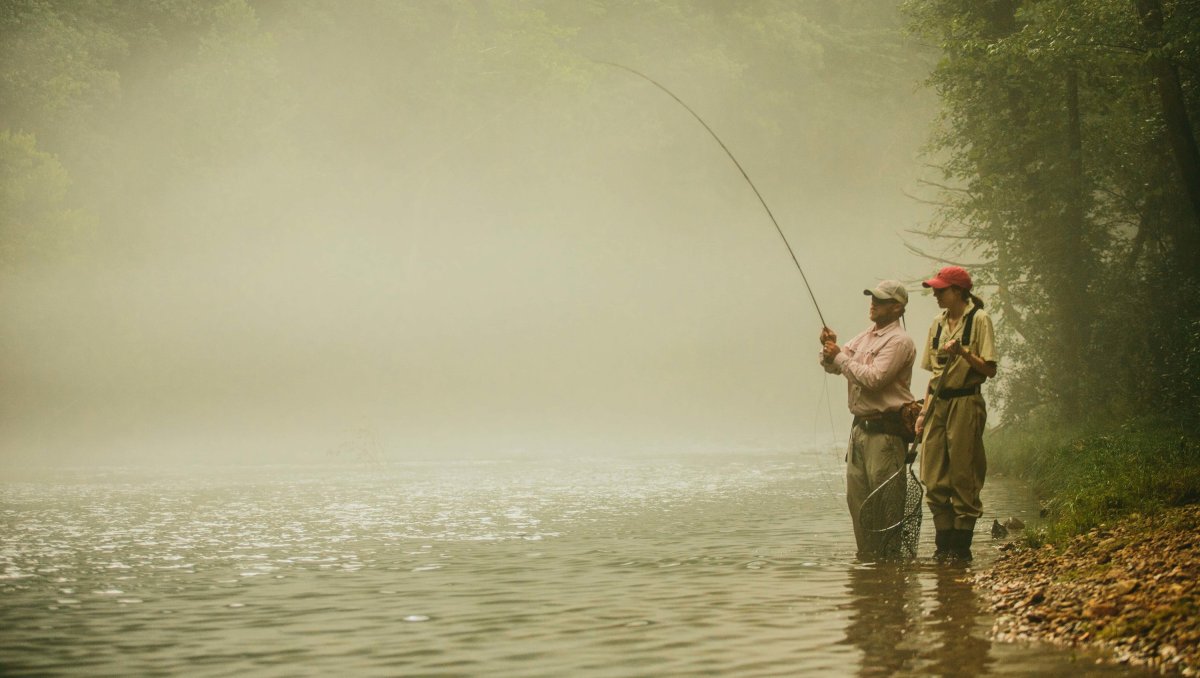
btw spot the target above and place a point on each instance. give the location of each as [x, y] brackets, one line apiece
[1087, 478]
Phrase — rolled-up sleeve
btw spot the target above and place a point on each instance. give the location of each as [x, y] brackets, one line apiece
[983, 338]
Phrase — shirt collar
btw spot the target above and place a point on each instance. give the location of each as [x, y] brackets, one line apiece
[887, 329]
[942, 319]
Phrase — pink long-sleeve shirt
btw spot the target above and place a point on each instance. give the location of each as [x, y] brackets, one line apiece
[878, 367]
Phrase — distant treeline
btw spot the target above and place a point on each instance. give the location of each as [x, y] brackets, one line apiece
[1071, 182]
[1072, 188]
[106, 105]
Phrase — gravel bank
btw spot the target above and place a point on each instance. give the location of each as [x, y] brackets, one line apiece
[1129, 588]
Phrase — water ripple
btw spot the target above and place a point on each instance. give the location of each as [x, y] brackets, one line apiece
[728, 566]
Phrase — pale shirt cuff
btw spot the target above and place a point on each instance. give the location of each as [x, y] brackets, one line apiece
[840, 360]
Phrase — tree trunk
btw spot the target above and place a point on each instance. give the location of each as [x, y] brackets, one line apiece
[1074, 275]
[1180, 134]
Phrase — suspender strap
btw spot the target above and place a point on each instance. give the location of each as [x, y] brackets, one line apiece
[966, 333]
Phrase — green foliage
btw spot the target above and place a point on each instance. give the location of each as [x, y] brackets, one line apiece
[1058, 174]
[1089, 478]
[35, 222]
[53, 69]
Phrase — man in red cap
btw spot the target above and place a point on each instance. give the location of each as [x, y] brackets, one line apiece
[878, 366]
[960, 351]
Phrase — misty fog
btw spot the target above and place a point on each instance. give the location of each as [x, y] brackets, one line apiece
[465, 235]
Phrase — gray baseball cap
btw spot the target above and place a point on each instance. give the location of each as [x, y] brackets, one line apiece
[889, 289]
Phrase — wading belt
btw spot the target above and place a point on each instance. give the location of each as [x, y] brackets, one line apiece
[883, 422]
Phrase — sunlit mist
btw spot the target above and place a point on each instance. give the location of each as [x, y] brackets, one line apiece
[449, 225]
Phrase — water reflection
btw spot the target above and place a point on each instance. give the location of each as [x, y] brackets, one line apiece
[885, 612]
[734, 566]
[923, 618]
[964, 649]
[901, 629]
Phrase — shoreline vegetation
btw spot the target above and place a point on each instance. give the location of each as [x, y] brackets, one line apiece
[1115, 565]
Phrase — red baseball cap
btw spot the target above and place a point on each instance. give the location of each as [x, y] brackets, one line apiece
[950, 275]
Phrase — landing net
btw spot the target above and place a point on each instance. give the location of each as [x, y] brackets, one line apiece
[890, 516]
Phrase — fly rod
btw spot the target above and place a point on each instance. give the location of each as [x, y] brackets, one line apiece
[740, 169]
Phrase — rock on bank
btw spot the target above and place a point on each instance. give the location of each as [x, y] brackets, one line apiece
[1129, 588]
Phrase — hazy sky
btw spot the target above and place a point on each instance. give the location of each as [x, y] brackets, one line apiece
[564, 269]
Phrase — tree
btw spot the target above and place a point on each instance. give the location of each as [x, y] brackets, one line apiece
[36, 224]
[1054, 132]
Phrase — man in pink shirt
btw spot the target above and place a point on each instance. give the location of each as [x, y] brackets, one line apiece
[878, 366]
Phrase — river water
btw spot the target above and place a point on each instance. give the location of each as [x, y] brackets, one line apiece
[738, 565]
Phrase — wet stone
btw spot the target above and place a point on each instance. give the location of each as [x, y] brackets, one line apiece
[1129, 589]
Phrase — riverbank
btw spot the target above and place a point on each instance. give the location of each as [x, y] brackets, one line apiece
[1129, 588]
[1116, 564]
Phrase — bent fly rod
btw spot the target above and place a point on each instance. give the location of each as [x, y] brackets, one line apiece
[740, 169]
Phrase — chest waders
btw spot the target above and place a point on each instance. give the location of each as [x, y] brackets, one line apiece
[949, 543]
